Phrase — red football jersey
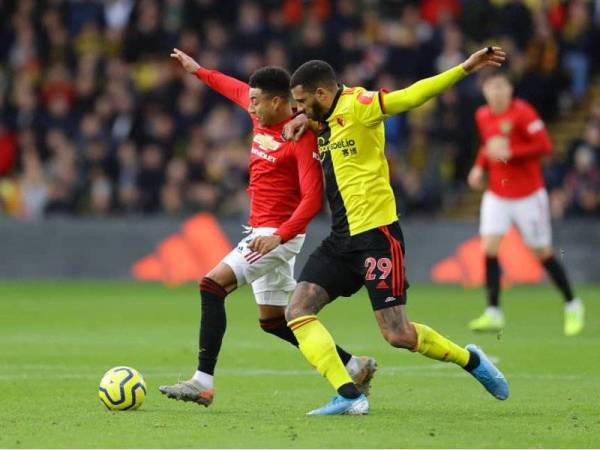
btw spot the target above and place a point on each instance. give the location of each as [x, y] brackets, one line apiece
[521, 174]
[286, 185]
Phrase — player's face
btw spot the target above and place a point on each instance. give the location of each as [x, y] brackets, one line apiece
[309, 103]
[263, 106]
[497, 92]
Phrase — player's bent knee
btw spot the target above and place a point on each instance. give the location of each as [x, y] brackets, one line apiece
[211, 291]
[224, 276]
[304, 301]
[491, 244]
[272, 324]
[543, 253]
[295, 309]
[401, 339]
[207, 281]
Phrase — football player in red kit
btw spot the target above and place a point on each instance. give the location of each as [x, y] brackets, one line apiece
[513, 142]
[285, 192]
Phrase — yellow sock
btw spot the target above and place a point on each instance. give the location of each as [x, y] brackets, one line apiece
[435, 346]
[318, 347]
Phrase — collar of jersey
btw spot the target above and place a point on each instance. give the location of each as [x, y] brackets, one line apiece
[335, 102]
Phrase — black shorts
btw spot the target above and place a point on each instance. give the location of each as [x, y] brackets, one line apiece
[374, 259]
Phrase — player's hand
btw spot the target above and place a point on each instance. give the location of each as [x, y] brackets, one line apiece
[486, 57]
[497, 148]
[264, 244]
[475, 179]
[295, 128]
[187, 62]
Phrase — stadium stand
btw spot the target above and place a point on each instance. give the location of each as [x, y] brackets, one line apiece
[96, 120]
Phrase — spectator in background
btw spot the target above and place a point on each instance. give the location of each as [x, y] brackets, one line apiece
[477, 20]
[150, 178]
[33, 185]
[590, 139]
[542, 78]
[100, 192]
[514, 20]
[575, 188]
[127, 195]
[94, 77]
[582, 184]
[576, 38]
[8, 149]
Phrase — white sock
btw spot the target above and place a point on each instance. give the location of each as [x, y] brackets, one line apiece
[352, 365]
[204, 379]
[573, 305]
[494, 311]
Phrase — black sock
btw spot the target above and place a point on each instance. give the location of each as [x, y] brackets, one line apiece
[473, 362]
[559, 277]
[344, 355]
[348, 390]
[212, 324]
[277, 326]
[492, 280]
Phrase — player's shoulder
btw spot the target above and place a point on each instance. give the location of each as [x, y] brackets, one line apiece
[482, 112]
[308, 140]
[357, 94]
[522, 105]
[352, 91]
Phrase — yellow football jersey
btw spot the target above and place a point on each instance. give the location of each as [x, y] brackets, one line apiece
[351, 146]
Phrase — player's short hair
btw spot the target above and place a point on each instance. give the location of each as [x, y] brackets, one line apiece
[489, 73]
[314, 74]
[272, 81]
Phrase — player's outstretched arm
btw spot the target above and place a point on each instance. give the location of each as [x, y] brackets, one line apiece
[186, 61]
[235, 90]
[418, 93]
[486, 57]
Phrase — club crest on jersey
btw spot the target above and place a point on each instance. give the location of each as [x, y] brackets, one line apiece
[340, 120]
[266, 142]
[366, 98]
[505, 127]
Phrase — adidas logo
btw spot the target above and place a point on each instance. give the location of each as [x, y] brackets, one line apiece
[389, 299]
[382, 285]
[187, 255]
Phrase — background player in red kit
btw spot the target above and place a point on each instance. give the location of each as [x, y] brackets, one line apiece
[285, 191]
[513, 142]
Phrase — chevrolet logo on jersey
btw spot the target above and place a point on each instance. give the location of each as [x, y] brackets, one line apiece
[266, 142]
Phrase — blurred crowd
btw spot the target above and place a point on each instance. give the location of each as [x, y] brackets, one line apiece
[573, 178]
[96, 120]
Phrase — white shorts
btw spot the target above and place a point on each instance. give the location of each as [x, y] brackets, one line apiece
[271, 275]
[530, 214]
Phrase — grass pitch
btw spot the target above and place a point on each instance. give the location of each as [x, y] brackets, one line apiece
[58, 338]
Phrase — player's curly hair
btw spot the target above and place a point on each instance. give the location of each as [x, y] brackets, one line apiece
[272, 81]
[314, 74]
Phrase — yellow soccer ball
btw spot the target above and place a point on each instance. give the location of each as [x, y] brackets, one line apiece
[122, 388]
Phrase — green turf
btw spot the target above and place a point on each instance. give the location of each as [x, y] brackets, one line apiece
[57, 339]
